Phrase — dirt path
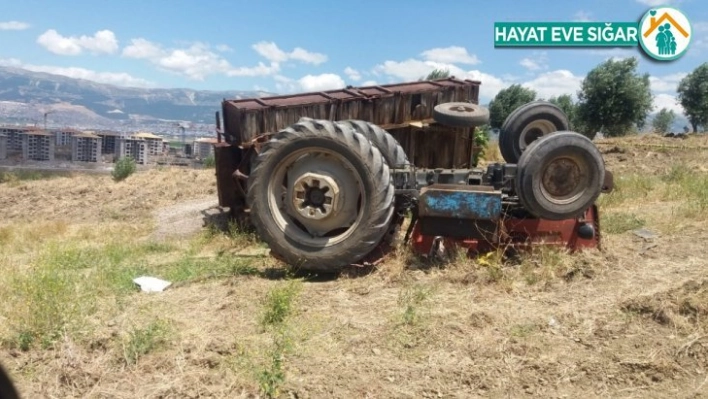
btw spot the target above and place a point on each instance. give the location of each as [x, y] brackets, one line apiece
[186, 218]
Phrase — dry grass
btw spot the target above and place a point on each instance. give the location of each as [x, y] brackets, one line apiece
[628, 321]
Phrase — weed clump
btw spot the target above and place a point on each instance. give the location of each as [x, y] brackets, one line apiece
[124, 167]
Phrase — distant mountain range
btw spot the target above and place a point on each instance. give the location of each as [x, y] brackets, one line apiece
[25, 97]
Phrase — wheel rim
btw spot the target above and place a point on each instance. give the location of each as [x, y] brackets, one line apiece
[316, 197]
[461, 108]
[534, 131]
[564, 179]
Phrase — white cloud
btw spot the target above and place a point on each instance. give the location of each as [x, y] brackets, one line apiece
[284, 84]
[413, 69]
[667, 101]
[655, 3]
[142, 49]
[582, 16]
[103, 41]
[667, 83]
[224, 48]
[194, 62]
[537, 62]
[325, 81]
[548, 84]
[555, 83]
[450, 55]
[270, 51]
[701, 41]
[115, 78]
[352, 74]
[616, 53]
[309, 83]
[369, 83]
[300, 54]
[273, 53]
[14, 25]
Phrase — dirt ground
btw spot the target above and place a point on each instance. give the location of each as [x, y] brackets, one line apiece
[630, 321]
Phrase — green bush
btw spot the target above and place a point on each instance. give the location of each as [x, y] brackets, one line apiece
[209, 162]
[481, 140]
[124, 167]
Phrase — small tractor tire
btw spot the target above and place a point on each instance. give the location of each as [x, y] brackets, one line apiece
[320, 195]
[526, 124]
[460, 114]
[560, 176]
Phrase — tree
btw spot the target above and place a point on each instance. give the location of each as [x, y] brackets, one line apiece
[693, 96]
[437, 74]
[506, 101]
[613, 98]
[565, 103]
[663, 120]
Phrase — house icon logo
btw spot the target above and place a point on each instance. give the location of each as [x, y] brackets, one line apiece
[665, 33]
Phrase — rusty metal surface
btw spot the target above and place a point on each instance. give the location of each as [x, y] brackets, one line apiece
[227, 161]
[460, 202]
[348, 94]
[520, 234]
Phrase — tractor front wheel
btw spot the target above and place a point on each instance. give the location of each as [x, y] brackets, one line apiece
[560, 176]
[528, 123]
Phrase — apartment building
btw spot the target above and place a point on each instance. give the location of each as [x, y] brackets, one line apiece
[38, 145]
[85, 147]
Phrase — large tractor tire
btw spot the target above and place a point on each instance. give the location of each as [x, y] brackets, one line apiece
[7, 388]
[389, 147]
[321, 196]
[395, 157]
[528, 123]
[459, 114]
[559, 176]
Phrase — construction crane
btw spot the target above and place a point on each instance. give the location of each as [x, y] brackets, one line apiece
[182, 126]
[45, 118]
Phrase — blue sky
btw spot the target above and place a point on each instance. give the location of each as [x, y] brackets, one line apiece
[289, 46]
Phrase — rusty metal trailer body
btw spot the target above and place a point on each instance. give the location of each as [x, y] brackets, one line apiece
[405, 110]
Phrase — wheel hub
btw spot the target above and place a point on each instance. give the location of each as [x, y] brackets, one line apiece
[461, 108]
[533, 135]
[562, 178]
[315, 196]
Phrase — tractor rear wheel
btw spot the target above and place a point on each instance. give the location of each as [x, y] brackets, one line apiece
[395, 157]
[560, 176]
[320, 195]
[389, 147]
[528, 123]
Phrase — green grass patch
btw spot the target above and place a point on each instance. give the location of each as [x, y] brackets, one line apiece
[141, 341]
[633, 187]
[621, 222]
[279, 304]
[689, 187]
[278, 307]
[14, 177]
[66, 285]
[411, 299]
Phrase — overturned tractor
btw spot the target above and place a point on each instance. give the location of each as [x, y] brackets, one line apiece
[327, 179]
